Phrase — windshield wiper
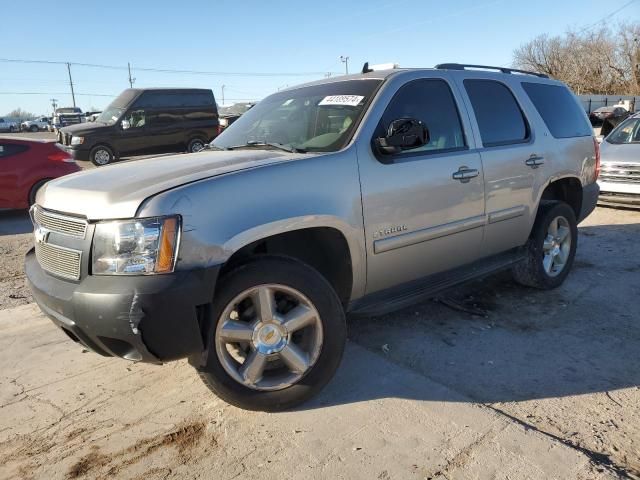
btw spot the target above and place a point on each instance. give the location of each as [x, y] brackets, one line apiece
[278, 146]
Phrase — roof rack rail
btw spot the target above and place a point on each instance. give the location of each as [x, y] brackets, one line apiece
[462, 66]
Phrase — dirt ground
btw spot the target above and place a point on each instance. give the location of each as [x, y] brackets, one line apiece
[489, 380]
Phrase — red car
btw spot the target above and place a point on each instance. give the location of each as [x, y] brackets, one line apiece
[25, 166]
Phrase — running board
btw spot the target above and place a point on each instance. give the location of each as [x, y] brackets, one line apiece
[396, 298]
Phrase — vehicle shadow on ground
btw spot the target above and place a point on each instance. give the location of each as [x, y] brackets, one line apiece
[520, 344]
[15, 222]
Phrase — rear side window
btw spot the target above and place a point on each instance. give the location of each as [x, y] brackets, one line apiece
[8, 149]
[499, 117]
[561, 113]
[162, 99]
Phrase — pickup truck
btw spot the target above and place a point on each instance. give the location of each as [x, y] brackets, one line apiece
[63, 117]
[8, 126]
[356, 194]
[35, 125]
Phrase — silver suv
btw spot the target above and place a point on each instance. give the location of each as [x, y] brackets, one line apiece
[356, 194]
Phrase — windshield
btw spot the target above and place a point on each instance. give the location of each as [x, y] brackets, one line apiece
[318, 118]
[626, 132]
[110, 115]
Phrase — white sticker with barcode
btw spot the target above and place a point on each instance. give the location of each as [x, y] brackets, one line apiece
[350, 100]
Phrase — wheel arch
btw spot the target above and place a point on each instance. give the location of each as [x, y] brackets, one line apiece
[567, 189]
[324, 246]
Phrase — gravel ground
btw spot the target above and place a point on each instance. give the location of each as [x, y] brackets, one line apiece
[15, 240]
[562, 364]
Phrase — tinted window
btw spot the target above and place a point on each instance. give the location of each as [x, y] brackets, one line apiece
[163, 99]
[432, 102]
[8, 149]
[557, 106]
[499, 117]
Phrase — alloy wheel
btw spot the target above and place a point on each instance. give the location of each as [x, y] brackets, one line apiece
[269, 337]
[556, 246]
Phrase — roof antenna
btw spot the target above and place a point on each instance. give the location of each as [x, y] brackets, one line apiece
[366, 69]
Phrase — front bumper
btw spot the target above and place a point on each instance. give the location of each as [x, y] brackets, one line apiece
[151, 319]
[77, 153]
[619, 194]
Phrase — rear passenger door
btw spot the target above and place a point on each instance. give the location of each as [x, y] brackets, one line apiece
[421, 217]
[511, 159]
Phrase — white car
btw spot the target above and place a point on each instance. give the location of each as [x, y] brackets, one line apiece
[620, 165]
[7, 126]
[35, 125]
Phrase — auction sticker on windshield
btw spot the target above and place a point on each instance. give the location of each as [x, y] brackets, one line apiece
[350, 100]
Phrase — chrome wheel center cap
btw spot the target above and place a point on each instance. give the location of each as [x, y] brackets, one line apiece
[269, 338]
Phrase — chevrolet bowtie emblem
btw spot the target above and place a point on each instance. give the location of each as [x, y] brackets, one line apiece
[41, 234]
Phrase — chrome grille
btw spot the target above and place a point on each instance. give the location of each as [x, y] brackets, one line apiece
[620, 173]
[60, 261]
[74, 227]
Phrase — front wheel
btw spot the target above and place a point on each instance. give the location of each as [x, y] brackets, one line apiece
[277, 335]
[33, 128]
[101, 155]
[550, 249]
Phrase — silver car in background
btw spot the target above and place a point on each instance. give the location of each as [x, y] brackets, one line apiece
[620, 156]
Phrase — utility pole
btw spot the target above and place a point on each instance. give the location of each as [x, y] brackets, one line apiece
[345, 60]
[131, 80]
[73, 95]
[222, 88]
[54, 104]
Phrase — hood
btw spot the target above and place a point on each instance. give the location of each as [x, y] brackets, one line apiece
[84, 128]
[619, 152]
[116, 191]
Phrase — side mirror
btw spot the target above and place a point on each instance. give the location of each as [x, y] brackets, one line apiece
[126, 125]
[403, 134]
[599, 138]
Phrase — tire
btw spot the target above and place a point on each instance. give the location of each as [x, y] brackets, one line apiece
[534, 271]
[33, 128]
[101, 155]
[34, 190]
[195, 145]
[216, 365]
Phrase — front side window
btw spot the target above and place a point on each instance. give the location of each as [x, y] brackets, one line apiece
[500, 120]
[431, 101]
[626, 132]
[317, 118]
[136, 118]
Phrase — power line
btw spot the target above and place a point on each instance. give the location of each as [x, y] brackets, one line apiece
[609, 15]
[58, 93]
[167, 70]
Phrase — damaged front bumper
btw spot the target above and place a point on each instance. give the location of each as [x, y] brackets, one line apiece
[155, 318]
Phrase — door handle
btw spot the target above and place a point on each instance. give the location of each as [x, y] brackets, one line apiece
[534, 161]
[464, 174]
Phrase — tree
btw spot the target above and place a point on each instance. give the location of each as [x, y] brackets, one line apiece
[597, 61]
[21, 114]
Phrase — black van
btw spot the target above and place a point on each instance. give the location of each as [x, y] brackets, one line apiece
[145, 121]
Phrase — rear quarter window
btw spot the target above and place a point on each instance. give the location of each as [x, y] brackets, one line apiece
[559, 110]
[9, 149]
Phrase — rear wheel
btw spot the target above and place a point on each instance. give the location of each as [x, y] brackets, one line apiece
[277, 336]
[195, 145]
[101, 155]
[550, 249]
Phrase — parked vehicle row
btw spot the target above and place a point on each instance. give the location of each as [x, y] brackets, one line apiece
[607, 118]
[357, 194]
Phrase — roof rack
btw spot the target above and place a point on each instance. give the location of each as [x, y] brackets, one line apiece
[462, 66]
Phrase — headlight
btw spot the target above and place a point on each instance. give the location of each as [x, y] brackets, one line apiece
[136, 247]
[77, 140]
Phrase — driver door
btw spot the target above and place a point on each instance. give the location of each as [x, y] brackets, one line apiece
[424, 208]
[134, 139]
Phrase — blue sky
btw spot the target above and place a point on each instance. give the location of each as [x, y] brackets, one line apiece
[294, 38]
